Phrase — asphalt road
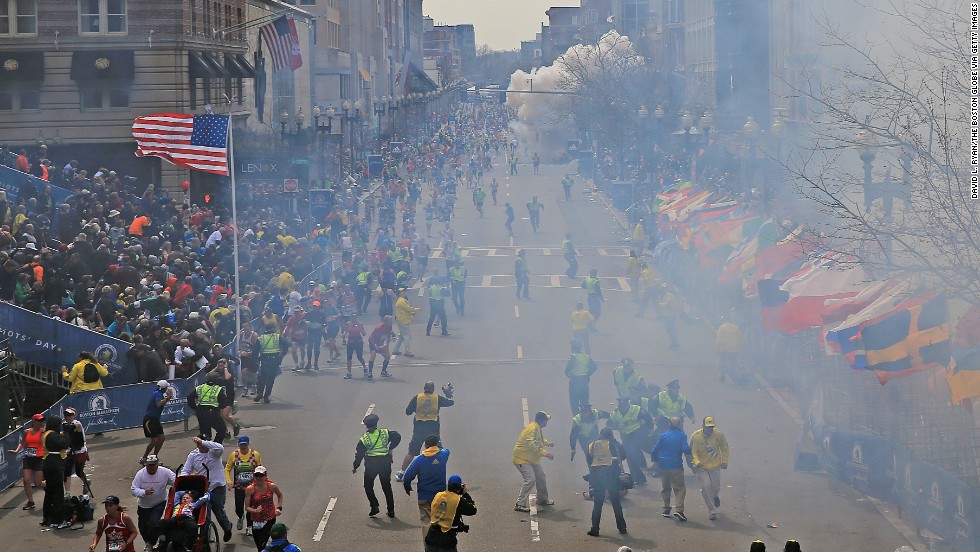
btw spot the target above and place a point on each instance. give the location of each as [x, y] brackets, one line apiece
[500, 354]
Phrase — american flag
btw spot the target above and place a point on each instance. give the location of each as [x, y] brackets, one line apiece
[198, 142]
[283, 43]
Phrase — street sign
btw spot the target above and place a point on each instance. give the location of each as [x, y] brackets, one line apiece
[290, 185]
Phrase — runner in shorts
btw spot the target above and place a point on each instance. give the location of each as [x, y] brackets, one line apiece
[331, 316]
[378, 343]
[152, 428]
[32, 445]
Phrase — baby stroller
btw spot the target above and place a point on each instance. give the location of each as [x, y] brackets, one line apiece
[206, 537]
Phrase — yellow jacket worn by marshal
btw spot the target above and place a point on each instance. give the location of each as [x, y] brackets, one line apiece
[728, 338]
[601, 453]
[709, 452]
[404, 311]
[530, 445]
[425, 406]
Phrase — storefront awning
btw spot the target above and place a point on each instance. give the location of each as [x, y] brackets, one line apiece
[198, 68]
[365, 76]
[21, 67]
[216, 65]
[238, 66]
[102, 65]
[419, 81]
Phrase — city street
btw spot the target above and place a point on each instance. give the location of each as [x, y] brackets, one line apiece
[505, 359]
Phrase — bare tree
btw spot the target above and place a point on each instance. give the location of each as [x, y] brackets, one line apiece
[901, 107]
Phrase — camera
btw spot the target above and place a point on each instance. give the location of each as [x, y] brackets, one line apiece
[447, 390]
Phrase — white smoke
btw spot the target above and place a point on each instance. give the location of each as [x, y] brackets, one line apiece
[546, 121]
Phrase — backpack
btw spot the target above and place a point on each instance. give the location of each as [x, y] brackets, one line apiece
[91, 373]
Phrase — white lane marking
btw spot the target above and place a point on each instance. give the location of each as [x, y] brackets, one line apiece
[517, 311]
[421, 290]
[520, 352]
[323, 521]
[623, 284]
[603, 252]
[512, 241]
[491, 253]
[527, 420]
[486, 281]
[369, 410]
[546, 251]
[464, 252]
[555, 280]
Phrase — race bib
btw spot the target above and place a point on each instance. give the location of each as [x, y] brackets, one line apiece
[256, 525]
[30, 451]
[245, 478]
[116, 545]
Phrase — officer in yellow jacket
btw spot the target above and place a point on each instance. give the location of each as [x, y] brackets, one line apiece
[629, 383]
[528, 451]
[709, 450]
[578, 370]
[631, 422]
[728, 343]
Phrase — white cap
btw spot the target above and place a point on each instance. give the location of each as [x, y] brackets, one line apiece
[163, 384]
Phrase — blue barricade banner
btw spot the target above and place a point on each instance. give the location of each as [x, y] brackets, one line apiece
[100, 411]
[51, 343]
[320, 204]
[12, 181]
[862, 460]
[947, 506]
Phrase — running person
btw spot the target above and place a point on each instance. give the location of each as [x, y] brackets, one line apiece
[152, 428]
[378, 343]
[119, 529]
[509, 212]
[315, 321]
[493, 190]
[355, 344]
[534, 208]
[239, 472]
[33, 447]
[425, 406]
[331, 316]
[261, 506]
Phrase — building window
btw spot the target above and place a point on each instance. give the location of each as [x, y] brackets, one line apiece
[97, 97]
[102, 16]
[15, 98]
[18, 17]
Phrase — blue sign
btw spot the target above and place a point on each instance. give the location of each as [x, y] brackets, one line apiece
[51, 343]
[319, 204]
[375, 165]
[11, 181]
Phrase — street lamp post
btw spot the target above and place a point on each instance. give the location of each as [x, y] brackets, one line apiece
[283, 121]
[322, 130]
[750, 132]
[351, 117]
[867, 146]
[379, 111]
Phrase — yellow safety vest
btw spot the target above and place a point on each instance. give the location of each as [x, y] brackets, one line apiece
[44, 449]
[207, 395]
[629, 422]
[566, 246]
[269, 344]
[426, 407]
[624, 385]
[601, 453]
[444, 506]
[670, 409]
[581, 366]
[362, 278]
[376, 445]
[586, 427]
[435, 292]
[395, 254]
[591, 285]
[458, 274]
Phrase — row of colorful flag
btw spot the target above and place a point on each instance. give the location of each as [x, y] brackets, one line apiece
[891, 326]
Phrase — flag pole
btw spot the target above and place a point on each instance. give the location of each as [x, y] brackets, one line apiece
[234, 231]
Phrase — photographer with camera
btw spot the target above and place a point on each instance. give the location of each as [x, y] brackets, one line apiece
[448, 509]
[425, 406]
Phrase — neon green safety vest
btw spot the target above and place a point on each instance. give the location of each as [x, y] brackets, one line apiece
[581, 366]
[435, 292]
[566, 246]
[629, 422]
[269, 344]
[591, 285]
[586, 427]
[458, 274]
[376, 442]
[624, 385]
[207, 395]
[362, 278]
[395, 254]
[670, 409]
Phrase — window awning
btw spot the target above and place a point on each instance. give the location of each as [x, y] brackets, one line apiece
[102, 65]
[419, 81]
[21, 67]
[216, 65]
[365, 76]
[238, 66]
[198, 68]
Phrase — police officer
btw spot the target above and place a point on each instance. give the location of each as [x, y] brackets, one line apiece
[425, 406]
[585, 427]
[374, 448]
[605, 456]
[437, 305]
[457, 281]
[363, 289]
[272, 347]
[521, 275]
[629, 419]
[568, 250]
[629, 383]
[534, 212]
[594, 294]
[205, 401]
[670, 404]
[578, 369]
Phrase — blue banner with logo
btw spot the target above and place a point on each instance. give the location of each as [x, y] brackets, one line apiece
[52, 343]
[319, 205]
[101, 411]
[12, 181]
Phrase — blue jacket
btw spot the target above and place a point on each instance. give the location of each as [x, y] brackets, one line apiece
[669, 449]
[430, 467]
[281, 544]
